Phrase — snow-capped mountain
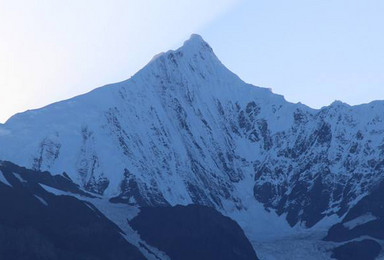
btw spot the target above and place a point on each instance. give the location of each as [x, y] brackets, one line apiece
[186, 130]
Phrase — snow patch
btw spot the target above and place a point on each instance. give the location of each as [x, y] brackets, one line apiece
[19, 177]
[359, 221]
[4, 180]
[55, 191]
[44, 202]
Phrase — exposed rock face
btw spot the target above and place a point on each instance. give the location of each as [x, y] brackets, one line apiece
[186, 130]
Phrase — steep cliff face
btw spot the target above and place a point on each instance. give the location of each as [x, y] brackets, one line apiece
[328, 160]
[186, 130]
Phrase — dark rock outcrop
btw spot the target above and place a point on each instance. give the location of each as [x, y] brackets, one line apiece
[192, 232]
[358, 250]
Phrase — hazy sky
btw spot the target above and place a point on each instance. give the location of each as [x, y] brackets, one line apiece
[312, 51]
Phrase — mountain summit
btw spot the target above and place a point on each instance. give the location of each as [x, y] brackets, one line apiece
[186, 130]
[196, 44]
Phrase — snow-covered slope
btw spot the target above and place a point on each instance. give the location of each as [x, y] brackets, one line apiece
[185, 130]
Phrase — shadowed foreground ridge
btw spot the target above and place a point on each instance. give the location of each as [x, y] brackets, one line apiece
[37, 222]
[37, 225]
[193, 232]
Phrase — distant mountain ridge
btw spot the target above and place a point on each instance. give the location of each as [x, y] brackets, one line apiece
[186, 130]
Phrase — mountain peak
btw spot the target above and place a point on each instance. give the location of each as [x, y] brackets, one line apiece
[195, 44]
[195, 38]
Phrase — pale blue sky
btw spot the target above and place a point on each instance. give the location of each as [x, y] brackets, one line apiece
[310, 51]
[307, 50]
